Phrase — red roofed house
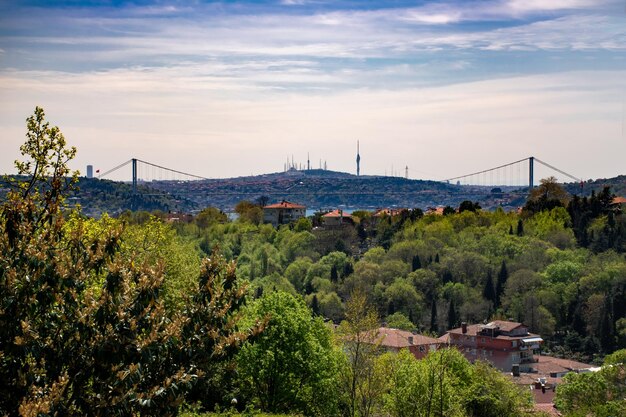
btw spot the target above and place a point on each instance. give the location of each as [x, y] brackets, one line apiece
[284, 212]
[336, 218]
[394, 339]
[505, 344]
[619, 200]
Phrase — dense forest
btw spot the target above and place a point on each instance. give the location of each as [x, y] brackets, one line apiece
[135, 315]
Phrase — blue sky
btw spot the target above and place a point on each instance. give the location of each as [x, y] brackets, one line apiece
[232, 88]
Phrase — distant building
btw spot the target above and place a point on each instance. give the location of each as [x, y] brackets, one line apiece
[505, 344]
[89, 171]
[284, 212]
[393, 340]
[619, 200]
[434, 210]
[336, 218]
[389, 212]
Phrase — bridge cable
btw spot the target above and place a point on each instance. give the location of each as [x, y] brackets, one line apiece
[558, 170]
[115, 169]
[172, 170]
[486, 170]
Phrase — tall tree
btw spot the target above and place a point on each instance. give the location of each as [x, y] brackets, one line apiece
[489, 291]
[503, 276]
[416, 263]
[434, 326]
[453, 319]
[360, 334]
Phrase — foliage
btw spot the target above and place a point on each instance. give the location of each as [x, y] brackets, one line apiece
[361, 384]
[599, 393]
[292, 366]
[446, 384]
[83, 324]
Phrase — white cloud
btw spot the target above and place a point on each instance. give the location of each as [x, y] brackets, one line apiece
[225, 128]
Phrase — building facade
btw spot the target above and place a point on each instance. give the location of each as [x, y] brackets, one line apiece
[336, 218]
[505, 344]
[284, 212]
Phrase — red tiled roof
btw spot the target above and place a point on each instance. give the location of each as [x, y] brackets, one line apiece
[619, 200]
[337, 213]
[506, 326]
[400, 338]
[549, 364]
[473, 329]
[284, 205]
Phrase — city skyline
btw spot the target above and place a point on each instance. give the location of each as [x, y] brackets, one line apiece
[229, 89]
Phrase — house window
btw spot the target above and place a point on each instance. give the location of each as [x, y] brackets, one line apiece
[514, 343]
[422, 349]
[482, 340]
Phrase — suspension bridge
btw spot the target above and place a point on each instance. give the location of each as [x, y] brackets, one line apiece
[518, 175]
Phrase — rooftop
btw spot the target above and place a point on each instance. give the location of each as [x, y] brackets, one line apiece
[502, 325]
[285, 205]
[397, 338]
[337, 213]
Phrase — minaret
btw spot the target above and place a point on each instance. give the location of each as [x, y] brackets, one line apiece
[358, 160]
[308, 162]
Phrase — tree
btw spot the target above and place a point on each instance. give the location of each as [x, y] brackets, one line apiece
[360, 336]
[399, 321]
[453, 317]
[595, 393]
[292, 366]
[489, 292]
[447, 210]
[503, 276]
[334, 276]
[416, 263]
[209, 216]
[469, 206]
[548, 195]
[446, 384]
[434, 326]
[84, 329]
[249, 212]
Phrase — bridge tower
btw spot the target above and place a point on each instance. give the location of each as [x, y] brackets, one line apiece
[358, 160]
[134, 196]
[531, 173]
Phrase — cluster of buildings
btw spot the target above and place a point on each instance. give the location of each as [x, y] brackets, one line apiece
[507, 345]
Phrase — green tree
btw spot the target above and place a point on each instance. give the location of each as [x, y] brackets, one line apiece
[249, 212]
[593, 394]
[83, 327]
[293, 364]
[209, 216]
[399, 321]
[360, 383]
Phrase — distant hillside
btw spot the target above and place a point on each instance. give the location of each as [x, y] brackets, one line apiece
[617, 184]
[327, 189]
[317, 189]
[103, 196]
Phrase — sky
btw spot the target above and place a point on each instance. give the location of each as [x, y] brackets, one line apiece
[234, 88]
